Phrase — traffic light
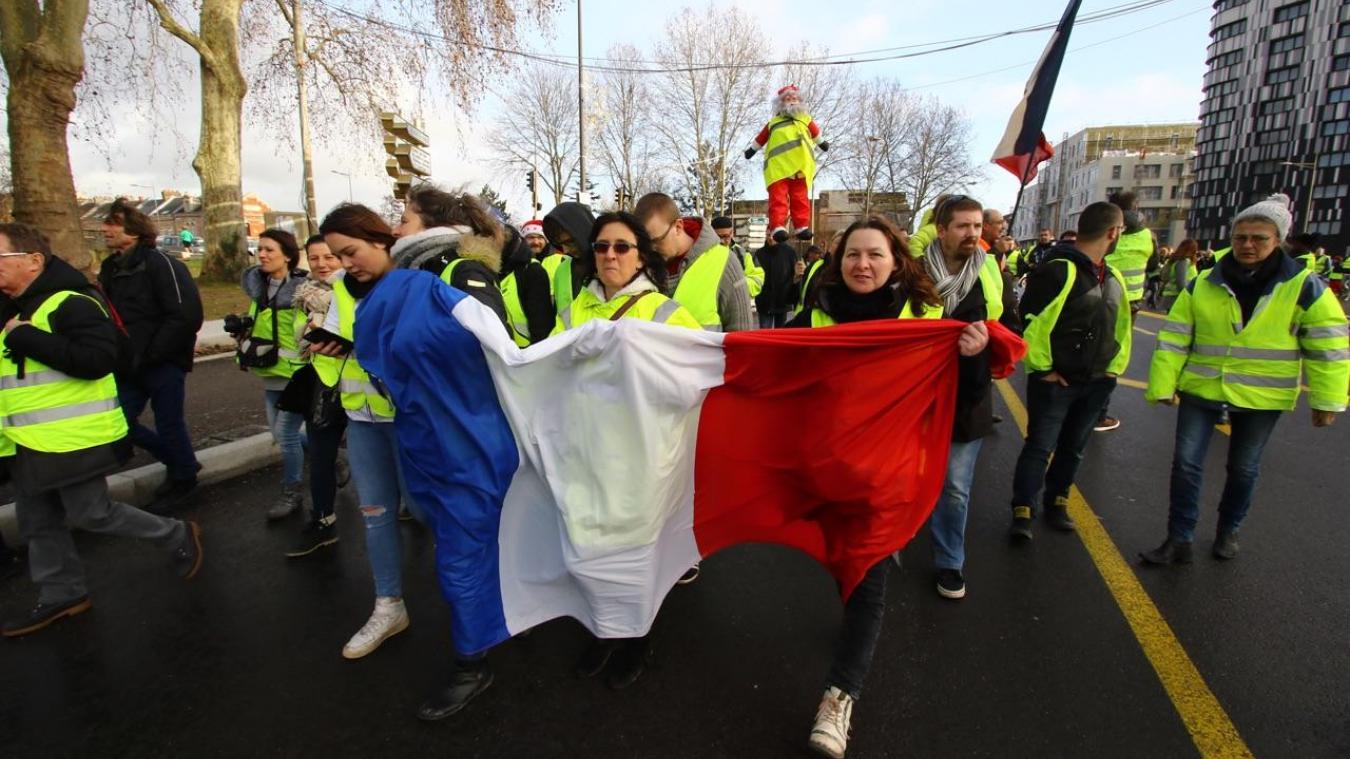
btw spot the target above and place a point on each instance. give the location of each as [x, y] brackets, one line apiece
[618, 197]
[529, 179]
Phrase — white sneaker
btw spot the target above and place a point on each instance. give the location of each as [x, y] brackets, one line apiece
[389, 619]
[830, 734]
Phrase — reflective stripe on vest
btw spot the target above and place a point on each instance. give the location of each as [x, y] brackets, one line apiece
[358, 392]
[1130, 258]
[697, 290]
[790, 150]
[49, 411]
[653, 308]
[562, 285]
[515, 312]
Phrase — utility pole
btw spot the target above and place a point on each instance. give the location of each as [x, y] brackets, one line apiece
[583, 195]
[306, 151]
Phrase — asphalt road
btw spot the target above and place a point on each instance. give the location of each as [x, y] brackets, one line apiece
[1039, 660]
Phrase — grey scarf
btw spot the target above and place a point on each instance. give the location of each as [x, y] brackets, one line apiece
[952, 287]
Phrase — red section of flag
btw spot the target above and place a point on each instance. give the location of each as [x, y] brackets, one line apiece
[1017, 164]
[833, 441]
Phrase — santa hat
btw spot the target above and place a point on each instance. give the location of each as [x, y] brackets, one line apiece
[532, 227]
[790, 88]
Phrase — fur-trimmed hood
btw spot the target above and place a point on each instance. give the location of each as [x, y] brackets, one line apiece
[447, 243]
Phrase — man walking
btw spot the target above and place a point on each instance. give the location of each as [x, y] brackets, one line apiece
[61, 421]
[160, 309]
[1078, 335]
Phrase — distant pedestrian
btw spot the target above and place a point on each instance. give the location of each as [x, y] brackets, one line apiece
[324, 425]
[1240, 338]
[809, 268]
[776, 302]
[154, 299]
[1036, 253]
[754, 273]
[1134, 250]
[1078, 334]
[1177, 271]
[62, 425]
[269, 348]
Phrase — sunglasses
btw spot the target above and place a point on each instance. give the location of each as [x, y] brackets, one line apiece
[21, 253]
[620, 248]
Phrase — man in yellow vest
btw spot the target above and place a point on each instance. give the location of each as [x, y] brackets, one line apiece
[701, 272]
[568, 227]
[1130, 257]
[754, 273]
[61, 428]
[789, 141]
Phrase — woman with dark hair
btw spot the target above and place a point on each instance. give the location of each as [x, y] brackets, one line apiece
[1178, 270]
[269, 349]
[623, 276]
[452, 235]
[869, 276]
[313, 298]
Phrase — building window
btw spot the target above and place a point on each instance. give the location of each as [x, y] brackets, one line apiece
[1148, 171]
[1220, 89]
[1231, 58]
[1340, 63]
[1343, 30]
[1174, 171]
[1115, 171]
[1291, 12]
[1230, 30]
[1176, 189]
[1282, 75]
[1152, 192]
[1113, 191]
[1222, 116]
[1224, 5]
[1277, 106]
[1285, 44]
[1331, 128]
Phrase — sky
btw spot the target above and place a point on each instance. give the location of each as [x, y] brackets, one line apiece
[1146, 67]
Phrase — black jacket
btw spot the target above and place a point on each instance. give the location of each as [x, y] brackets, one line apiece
[532, 286]
[1083, 339]
[779, 294]
[571, 220]
[159, 304]
[84, 343]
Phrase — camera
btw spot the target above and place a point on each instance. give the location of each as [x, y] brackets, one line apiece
[237, 325]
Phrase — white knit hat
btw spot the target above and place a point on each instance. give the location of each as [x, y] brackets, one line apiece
[1274, 209]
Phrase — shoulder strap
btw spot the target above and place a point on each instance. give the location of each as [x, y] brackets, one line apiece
[631, 302]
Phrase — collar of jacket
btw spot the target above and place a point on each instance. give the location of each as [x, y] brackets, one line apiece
[255, 284]
[1287, 269]
[640, 284]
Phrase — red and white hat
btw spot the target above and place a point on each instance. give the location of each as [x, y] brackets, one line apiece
[532, 227]
[787, 89]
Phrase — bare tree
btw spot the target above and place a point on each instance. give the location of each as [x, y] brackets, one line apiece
[936, 153]
[873, 159]
[537, 127]
[43, 53]
[710, 113]
[627, 149]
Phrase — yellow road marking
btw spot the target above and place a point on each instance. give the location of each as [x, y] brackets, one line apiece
[1212, 731]
[1152, 314]
[1146, 332]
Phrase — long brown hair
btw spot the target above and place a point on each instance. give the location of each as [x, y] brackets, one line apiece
[913, 280]
[438, 208]
[359, 222]
[1187, 249]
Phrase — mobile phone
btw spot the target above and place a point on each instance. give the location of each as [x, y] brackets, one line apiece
[321, 335]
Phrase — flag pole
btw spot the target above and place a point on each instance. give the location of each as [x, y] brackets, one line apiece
[1017, 204]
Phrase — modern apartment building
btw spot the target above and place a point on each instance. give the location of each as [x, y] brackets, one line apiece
[1275, 116]
[1152, 160]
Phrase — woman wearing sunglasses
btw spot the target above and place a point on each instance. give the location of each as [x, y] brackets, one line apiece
[623, 276]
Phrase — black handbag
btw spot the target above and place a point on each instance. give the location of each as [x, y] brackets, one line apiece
[256, 352]
[325, 405]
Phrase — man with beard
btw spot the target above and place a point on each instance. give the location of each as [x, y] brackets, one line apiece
[789, 141]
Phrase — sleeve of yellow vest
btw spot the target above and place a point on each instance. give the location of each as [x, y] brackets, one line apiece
[733, 298]
[1324, 341]
[754, 275]
[1174, 345]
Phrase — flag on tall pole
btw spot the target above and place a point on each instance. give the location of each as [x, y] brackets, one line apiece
[1024, 146]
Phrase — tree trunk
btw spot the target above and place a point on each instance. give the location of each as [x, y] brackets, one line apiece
[219, 158]
[306, 151]
[44, 67]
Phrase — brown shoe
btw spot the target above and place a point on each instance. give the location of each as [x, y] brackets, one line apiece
[187, 558]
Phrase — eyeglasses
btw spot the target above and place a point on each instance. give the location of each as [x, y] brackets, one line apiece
[666, 233]
[16, 255]
[620, 248]
[1258, 239]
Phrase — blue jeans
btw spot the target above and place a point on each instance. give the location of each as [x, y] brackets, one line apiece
[1059, 420]
[948, 523]
[772, 321]
[285, 426]
[1195, 427]
[162, 387]
[372, 454]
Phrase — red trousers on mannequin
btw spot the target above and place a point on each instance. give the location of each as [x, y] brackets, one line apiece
[789, 194]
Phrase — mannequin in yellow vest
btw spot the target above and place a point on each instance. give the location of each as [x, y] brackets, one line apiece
[789, 142]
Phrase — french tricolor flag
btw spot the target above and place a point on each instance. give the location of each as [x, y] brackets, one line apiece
[582, 476]
[1024, 146]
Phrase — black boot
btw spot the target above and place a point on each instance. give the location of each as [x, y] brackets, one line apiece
[1021, 524]
[628, 663]
[595, 657]
[466, 682]
[1057, 515]
[1226, 545]
[804, 234]
[1170, 552]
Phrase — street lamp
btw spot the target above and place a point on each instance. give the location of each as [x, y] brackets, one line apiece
[349, 182]
[1311, 168]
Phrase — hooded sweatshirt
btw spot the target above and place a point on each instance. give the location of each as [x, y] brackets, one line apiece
[435, 248]
[571, 220]
[733, 296]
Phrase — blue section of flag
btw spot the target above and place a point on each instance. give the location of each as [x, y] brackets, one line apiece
[407, 337]
[1044, 78]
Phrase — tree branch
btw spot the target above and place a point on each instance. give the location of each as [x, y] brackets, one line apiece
[171, 25]
[285, 12]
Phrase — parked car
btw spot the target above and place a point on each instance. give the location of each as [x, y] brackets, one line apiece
[172, 245]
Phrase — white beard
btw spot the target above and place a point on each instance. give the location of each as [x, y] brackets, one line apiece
[791, 111]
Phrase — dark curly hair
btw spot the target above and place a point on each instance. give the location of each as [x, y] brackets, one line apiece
[914, 282]
[653, 265]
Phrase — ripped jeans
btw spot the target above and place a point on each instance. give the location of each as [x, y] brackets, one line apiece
[372, 453]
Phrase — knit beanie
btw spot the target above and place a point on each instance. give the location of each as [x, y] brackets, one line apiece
[532, 227]
[1274, 209]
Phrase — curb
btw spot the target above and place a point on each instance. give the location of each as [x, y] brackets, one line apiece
[137, 486]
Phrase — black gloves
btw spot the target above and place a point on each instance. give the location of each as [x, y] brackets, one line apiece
[749, 153]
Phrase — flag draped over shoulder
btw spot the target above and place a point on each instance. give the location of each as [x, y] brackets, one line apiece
[1024, 146]
[583, 475]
